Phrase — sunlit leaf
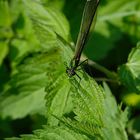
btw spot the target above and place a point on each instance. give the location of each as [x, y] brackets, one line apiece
[47, 22]
[26, 91]
[56, 133]
[3, 51]
[130, 72]
[5, 19]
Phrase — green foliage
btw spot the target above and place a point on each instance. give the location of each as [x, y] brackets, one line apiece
[47, 22]
[115, 20]
[17, 38]
[133, 128]
[131, 98]
[5, 13]
[53, 133]
[130, 72]
[116, 123]
[3, 51]
[28, 84]
[35, 47]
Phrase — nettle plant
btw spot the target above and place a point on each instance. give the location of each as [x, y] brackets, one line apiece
[39, 84]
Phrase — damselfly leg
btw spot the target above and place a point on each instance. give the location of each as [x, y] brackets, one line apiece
[71, 70]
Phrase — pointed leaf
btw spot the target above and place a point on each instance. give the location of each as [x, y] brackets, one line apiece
[47, 22]
[48, 133]
[27, 87]
[130, 72]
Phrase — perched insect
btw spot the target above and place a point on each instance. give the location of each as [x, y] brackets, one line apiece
[87, 18]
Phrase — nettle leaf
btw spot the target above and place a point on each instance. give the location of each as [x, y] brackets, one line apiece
[16, 30]
[118, 9]
[4, 14]
[52, 133]
[24, 40]
[55, 3]
[115, 123]
[47, 22]
[30, 79]
[97, 113]
[88, 107]
[5, 20]
[84, 104]
[27, 87]
[130, 72]
[58, 98]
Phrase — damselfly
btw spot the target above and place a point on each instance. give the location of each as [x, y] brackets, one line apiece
[87, 18]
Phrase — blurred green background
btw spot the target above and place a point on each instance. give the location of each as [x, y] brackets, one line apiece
[116, 32]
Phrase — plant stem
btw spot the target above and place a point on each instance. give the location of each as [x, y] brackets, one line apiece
[99, 79]
[108, 73]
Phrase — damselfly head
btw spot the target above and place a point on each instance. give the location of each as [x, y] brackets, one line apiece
[70, 71]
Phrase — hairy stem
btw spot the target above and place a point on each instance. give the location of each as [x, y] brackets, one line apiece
[108, 73]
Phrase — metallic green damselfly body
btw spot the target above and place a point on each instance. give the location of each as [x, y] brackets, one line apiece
[87, 18]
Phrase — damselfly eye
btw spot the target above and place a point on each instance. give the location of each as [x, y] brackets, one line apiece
[71, 72]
